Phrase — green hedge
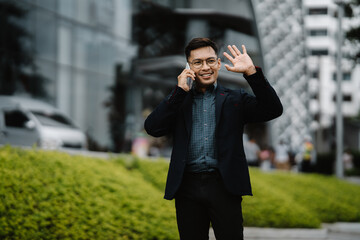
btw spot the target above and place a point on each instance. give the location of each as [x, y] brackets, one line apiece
[51, 195]
[315, 198]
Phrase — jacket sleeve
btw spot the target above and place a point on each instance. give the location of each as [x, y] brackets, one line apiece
[265, 105]
[161, 121]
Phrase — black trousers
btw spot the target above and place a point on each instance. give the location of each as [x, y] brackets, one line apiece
[201, 199]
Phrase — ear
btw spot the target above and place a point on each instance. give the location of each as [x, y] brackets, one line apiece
[219, 63]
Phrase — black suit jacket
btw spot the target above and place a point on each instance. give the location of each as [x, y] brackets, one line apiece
[233, 109]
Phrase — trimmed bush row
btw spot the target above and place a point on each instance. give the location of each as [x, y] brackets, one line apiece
[283, 199]
[52, 195]
[317, 199]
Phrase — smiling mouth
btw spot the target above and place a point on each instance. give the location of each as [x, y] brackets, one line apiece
[206, 74]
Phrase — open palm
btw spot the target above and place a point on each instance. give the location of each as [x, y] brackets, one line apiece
[242, 62]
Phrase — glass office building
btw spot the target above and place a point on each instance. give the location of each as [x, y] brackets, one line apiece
[74, 47]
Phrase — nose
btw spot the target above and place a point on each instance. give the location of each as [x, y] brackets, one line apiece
[205, 65]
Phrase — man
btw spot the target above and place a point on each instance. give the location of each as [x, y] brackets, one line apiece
[208, 173]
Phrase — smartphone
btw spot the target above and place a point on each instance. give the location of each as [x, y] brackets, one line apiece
[189, 80]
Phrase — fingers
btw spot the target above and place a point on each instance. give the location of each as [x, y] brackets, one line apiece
[182, 78]
[190, 73]
[231, 59]
[232, 50]
[235, 51]
[244, 49]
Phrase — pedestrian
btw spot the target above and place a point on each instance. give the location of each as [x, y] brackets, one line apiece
[348, 160]
[252, 152]
[267, 158]
[307, 153]
[208, 172]
[282, 156]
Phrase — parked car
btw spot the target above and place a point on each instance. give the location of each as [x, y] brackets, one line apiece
[29, 122]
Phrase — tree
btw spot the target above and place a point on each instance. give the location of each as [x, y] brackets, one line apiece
[117, 111]
[17, 67]
[352, 9]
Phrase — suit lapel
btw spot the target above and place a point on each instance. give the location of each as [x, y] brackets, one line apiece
[221, 94]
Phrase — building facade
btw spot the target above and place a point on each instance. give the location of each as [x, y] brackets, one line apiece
[85, 50]
[81, 48]
[75, 46]
[321, 26]
[280, 25]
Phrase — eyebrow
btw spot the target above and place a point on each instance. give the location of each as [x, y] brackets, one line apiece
[204, 59]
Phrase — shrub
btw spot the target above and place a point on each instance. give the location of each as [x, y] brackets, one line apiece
[325, 163]
[325, 198]
[50, 195]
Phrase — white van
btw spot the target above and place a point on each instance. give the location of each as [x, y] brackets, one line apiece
[29, 122]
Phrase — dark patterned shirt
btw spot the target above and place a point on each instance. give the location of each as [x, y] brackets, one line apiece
[202, 146]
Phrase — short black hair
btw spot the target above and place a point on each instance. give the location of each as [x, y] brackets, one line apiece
[196, 43]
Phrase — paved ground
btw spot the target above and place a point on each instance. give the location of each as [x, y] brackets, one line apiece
[336, 231]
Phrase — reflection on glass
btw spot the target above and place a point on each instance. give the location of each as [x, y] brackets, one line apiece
[83, 11]
[47, 69]
[49, 4]
[67, 8]
[65, 35]
[45, 35]
[86, 49]
[107, 55]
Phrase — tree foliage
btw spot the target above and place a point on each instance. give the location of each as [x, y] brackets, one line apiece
[352, 9]
[17, 66]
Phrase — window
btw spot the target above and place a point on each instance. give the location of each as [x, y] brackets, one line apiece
[45, 35]
[346, 98]
[318, 32]
[319, 52]
[67, 8]
[318, 11]
[53, 120]
[15, 118]
[49, 4]
[315, 74]
[346, 76]
[314, 96]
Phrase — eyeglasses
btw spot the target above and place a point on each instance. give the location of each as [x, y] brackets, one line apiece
[198, 63]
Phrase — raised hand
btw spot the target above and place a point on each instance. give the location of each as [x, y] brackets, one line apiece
[242, 62]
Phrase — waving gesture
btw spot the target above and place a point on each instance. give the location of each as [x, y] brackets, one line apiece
[242, 63]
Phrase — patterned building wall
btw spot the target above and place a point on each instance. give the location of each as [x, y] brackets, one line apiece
[280, 26]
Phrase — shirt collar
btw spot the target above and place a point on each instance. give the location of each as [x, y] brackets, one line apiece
[211, 89]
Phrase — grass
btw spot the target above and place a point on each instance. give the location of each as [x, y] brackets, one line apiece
[52, 195]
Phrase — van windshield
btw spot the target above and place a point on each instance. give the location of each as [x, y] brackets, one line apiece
[53, 120]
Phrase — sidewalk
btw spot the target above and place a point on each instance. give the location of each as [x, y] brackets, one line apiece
[336, 231]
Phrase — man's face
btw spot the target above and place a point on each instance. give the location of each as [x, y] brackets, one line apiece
[205, 75]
